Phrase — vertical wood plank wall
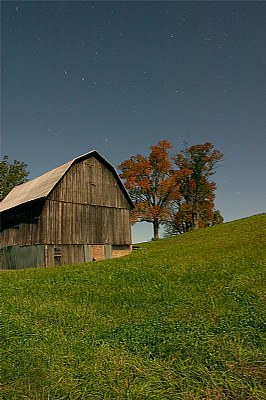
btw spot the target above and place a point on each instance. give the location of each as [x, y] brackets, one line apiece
[87, 206]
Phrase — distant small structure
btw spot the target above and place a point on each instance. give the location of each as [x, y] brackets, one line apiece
[75, 213]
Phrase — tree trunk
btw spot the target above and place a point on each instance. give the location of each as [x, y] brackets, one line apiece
[156, 229]
[195, 220]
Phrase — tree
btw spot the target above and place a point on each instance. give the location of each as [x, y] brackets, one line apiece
[195, 209]
[11, 174]
[217, 218]
[152, 184]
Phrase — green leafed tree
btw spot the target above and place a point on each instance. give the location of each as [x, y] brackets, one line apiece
[11, 174]
[195, 208]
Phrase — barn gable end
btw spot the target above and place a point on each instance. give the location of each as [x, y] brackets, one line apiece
[84, 216]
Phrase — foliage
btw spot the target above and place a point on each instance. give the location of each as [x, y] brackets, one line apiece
[11, 174]
[217, 218]
[181, 318]
[195, 207]
[152, 184]
[180, 196]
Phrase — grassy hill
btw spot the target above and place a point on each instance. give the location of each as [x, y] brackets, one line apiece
[181, 318]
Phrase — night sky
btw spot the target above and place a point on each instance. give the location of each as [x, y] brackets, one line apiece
[118, 77]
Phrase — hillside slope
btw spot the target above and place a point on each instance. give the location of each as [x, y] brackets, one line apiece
[181, 318]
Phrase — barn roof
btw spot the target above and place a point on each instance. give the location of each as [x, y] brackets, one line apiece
[41, 186]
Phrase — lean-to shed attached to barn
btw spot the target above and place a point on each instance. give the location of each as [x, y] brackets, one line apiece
[75, 213]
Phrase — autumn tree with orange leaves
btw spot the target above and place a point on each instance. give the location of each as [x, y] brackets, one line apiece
[153, 184]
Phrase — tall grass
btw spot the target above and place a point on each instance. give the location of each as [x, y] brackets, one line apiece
[181, 318]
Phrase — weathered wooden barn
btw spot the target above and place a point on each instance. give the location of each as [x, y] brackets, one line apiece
[76, 213]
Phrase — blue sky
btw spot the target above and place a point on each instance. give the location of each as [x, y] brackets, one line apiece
[120, 76]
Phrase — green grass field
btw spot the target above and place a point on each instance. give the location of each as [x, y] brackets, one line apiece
[181, 318]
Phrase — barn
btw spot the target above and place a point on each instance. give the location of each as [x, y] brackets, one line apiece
[75, 213]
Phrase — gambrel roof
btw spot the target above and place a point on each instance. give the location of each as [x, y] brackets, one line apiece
[41, 186]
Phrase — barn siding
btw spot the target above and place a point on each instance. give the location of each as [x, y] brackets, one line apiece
[90, 182]
[80, 224]
[22, 226]
[67, 254]
[16, 257]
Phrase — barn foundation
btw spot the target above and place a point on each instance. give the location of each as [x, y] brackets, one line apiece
[37, 256]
